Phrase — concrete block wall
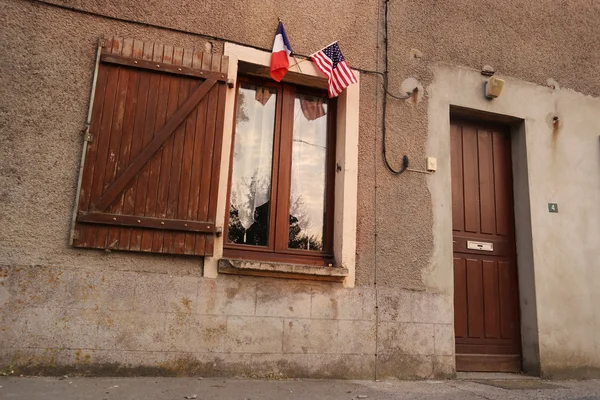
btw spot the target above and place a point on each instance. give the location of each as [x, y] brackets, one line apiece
[93, 321]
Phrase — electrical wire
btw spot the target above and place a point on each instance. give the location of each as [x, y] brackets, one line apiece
[386, 94]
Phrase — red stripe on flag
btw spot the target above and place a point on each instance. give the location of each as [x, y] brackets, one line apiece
[346, 72]
[340, 77]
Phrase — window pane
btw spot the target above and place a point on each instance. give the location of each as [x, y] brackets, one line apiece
[309, 167]
[252, 164]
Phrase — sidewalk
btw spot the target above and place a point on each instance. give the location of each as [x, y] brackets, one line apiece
[72, 388]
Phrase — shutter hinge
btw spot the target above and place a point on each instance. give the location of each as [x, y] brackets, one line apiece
[86, 133]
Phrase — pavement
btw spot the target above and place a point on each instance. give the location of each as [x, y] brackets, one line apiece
[471, 387]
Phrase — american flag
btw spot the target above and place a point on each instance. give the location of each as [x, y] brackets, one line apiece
[332, 63]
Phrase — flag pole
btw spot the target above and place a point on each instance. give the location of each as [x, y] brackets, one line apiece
[297, 62]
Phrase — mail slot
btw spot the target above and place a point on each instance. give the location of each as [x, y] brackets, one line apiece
[483, 246]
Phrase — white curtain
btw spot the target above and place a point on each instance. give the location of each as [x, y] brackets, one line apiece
[253, 153]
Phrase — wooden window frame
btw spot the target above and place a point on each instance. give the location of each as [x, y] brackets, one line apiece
[277, 250]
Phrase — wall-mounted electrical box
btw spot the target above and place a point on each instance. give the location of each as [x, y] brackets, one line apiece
[431, 164]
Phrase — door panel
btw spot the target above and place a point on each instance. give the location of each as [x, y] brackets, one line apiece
[485, 271]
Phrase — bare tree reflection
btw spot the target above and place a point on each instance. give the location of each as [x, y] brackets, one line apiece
[258, 232]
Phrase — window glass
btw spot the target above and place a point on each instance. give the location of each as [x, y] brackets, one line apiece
[308, 181]
[252, 165]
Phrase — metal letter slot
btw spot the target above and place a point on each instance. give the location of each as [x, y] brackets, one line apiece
[483, 246]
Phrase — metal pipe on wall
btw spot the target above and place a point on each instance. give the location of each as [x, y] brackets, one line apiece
[86, 139]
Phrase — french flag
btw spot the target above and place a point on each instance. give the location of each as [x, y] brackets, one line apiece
[280, 61]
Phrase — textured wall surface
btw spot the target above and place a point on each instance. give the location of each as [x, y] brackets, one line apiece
[47, 63]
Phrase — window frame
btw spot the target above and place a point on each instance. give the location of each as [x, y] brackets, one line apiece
[277, 249]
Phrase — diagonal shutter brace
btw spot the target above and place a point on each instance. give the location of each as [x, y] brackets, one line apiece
[159, 139]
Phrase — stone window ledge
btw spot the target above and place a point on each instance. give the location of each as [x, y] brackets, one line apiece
[280, 270]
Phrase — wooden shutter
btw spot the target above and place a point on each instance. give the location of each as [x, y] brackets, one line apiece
[152, 162]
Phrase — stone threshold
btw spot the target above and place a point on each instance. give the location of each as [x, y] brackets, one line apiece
[281, 270]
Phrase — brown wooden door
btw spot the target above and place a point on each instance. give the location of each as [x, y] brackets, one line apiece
[486, 304]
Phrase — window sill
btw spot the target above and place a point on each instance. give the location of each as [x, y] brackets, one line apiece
[279, 270]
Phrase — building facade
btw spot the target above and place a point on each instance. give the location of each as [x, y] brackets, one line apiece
[193, 216]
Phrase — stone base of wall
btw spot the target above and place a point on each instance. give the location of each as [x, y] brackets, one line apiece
[57, 320]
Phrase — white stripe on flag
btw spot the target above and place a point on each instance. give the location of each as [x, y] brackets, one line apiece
[278, 44]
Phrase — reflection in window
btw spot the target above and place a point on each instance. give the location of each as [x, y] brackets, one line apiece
[252, 165]
[309, 167]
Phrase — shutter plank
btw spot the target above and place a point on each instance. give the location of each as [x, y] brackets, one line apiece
[146, 135]
[97, 237]
[176, 154]
[199, 60]
[166, 154]
[122, 160]
[135, 142]
[160, 85]
[103, 238]
[207, 155]
[186, 160]
[203, 120]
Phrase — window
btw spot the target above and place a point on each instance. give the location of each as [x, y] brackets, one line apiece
[281, 176]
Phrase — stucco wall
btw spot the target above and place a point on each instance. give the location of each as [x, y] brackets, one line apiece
[402, 231]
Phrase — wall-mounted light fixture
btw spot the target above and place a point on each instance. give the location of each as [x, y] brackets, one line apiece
[493, 87]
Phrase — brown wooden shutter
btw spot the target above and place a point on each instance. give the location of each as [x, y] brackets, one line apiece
[152, 166]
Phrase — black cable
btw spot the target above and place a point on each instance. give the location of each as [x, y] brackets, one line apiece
[385, 88]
